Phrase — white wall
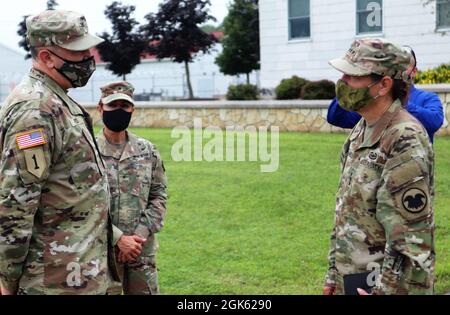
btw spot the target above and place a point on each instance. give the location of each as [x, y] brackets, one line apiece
[333, 28]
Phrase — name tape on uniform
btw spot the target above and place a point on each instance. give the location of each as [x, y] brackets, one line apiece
[30, 139]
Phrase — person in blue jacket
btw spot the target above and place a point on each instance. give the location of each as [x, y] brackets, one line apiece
[425, 106]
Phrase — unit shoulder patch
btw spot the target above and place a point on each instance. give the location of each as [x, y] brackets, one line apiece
[35, 160]
[414, 200]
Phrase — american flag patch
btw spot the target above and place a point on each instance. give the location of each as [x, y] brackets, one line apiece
[30, 139]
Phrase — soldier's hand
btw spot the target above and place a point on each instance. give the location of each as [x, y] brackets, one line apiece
[4, 291]
[362, 292]
[121, 258]
[130, 247]
[329, 290]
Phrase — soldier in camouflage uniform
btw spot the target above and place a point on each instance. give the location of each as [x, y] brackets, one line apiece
[55, 229]
[138, 191]
[384, 220]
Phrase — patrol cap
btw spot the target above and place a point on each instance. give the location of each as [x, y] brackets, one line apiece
[66, 29]
[120, 90]
[374, 56]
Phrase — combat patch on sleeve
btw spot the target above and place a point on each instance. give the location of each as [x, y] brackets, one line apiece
[30, 139]
[35, 160]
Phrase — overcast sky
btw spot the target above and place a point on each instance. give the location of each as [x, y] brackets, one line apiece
[14, 10]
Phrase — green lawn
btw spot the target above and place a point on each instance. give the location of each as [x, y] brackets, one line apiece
[231, 229]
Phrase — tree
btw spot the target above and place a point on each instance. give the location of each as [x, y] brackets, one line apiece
[175, 32]
[22, 31]
[123, 48]
[241, 52]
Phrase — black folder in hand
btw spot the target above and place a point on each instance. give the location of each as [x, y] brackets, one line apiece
[354, 281]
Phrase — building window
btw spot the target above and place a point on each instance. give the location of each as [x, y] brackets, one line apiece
[443, 13]
[299, 19]
[369, 16]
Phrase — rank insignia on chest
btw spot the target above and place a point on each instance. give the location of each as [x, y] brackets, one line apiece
[30, 139]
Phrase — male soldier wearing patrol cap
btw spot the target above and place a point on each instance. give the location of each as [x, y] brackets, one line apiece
[55, 229]
[138, 184]
[383, 234]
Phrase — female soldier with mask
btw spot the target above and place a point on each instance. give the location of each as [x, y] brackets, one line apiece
[383, 235]
[137, 183]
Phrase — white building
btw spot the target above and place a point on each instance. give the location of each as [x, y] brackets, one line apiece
[298, 37]
[13, 68]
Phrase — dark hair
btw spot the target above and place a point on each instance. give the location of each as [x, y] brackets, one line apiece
[376, 77]
[34, 52]
[400, 88]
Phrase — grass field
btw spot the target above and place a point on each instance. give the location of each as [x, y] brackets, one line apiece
[231, 229]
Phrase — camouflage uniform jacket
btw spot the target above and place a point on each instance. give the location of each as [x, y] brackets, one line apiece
[137, 183]
[55, 229]
[384, 216]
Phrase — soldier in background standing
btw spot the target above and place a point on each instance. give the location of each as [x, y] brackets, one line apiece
[138, 191]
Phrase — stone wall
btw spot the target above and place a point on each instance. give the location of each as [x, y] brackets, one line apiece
[292, 115]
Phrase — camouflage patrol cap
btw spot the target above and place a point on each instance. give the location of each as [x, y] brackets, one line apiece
[120, 90]
[65, 29]
[374, 56]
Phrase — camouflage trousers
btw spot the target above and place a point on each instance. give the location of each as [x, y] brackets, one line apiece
[339, 285]
[138, 278]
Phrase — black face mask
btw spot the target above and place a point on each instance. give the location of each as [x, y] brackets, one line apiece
[77, 73]
[117, 120]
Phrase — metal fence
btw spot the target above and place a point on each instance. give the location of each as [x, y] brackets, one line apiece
[162, 87]
[148, 86]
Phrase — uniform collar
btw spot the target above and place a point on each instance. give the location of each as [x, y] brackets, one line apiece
[131, 147]
[367, 136]
[57, 89]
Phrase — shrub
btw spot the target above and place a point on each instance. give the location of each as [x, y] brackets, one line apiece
[440, 74]
[289, 89]
[247, 92]
[319, 90]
